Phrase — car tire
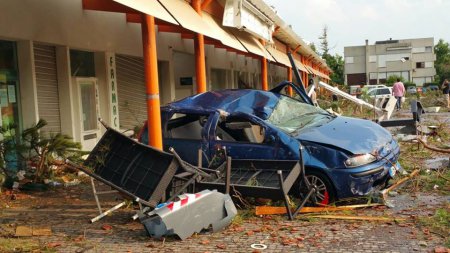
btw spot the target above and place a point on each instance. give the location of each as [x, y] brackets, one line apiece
[326, 193]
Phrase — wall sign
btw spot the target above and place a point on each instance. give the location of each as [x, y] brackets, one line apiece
[112, 89]
[184, 81]
[242, 15]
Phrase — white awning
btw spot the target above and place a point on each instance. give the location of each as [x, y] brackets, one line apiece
[188, 18]
[226, 37]
[310, 70]
[316, 72]
[252, 44]
[301, 66]
[149, 7]
[283, 59]
[323, 75]
[279, 56]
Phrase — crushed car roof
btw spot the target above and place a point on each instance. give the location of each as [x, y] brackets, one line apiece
[256, 102]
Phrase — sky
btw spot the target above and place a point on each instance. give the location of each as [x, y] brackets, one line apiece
[351, 22]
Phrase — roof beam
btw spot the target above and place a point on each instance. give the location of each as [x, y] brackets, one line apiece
[205, 4]
[275, 31]
[106, 5]
[134, 18]
[296, 49]
[173, 29]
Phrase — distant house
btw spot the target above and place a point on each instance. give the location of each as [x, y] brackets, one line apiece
[413, 59]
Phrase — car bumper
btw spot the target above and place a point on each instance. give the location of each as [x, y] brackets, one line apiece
[367, 179]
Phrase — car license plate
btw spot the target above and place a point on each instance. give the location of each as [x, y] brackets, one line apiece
[393, 170]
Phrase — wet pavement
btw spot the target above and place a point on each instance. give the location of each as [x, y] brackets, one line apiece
[67, 212]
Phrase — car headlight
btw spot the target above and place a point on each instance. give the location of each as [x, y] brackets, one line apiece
[358, 160]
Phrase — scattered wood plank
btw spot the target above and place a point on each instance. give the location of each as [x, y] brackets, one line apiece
[44, 231]
[23, 231]
[400, 182]
[365, 218]
[270, 210]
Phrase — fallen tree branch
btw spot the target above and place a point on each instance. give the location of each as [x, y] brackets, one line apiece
[269, 210]
[447, 151]
[366, 218]
[400, 182]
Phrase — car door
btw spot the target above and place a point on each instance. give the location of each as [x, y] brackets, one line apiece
[247, 137]
[186, 132]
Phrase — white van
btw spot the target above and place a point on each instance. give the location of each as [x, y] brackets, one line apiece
[369, 87]
[380, 92]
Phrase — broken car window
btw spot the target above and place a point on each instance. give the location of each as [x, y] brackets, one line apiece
[295, 95]
[186, 126]
[239, 130]
[291, 115]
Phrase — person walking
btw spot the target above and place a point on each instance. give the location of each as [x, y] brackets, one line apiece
[398, 91]
[446, 91]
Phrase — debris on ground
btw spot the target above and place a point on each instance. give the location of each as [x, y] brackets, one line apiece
[398, 183]
[191, 214]
[438, 163]
[23, 231]
[107, 227]
[440, 150]
[406, 137]
[42, 231]
[348, 217]
[270, 210]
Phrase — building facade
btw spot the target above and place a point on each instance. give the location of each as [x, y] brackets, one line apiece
[412, 59]
[71, 62]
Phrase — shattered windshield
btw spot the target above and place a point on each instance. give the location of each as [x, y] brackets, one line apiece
[291, 116]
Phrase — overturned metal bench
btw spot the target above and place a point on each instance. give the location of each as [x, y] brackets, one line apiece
[272, 179]
[136, 171]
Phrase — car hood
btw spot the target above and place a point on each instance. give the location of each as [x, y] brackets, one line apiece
[354, 135]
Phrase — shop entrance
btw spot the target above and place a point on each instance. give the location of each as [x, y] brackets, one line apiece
[9, 99]
[9, 81]
[89, 111]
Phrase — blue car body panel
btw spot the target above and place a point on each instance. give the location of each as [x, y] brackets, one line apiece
[327, 146]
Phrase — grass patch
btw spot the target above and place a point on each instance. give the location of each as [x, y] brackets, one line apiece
[243, 215]
[437, 181]
[23, 245]
[439, 223]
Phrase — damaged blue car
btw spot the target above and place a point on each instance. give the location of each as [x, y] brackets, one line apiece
[344, 157]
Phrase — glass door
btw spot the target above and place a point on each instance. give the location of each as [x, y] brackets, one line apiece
[89, 112]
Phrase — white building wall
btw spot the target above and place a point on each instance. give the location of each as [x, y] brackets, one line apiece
[64, 24]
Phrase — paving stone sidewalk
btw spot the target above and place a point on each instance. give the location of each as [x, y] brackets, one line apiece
[68, 210]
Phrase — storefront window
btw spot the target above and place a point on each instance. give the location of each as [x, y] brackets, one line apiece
[9, 81]
[82, 63]
[9, 101]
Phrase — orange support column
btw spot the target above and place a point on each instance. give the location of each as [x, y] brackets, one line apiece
[151, 81]
[289, 69]
[305, 73]
[199, 49]
[264, 74]
[289, 74]
[265, 83]
[289, 77]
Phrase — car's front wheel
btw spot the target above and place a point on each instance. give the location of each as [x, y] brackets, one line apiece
[324, 189]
